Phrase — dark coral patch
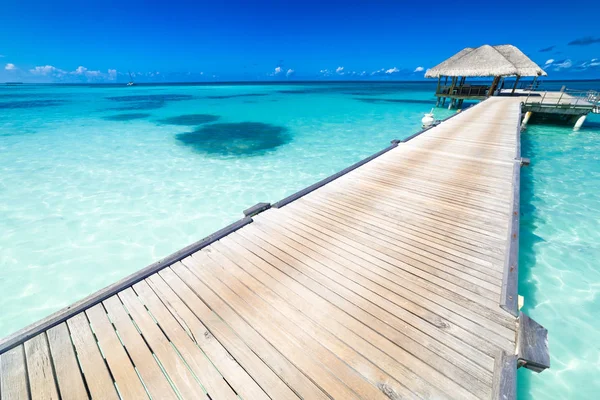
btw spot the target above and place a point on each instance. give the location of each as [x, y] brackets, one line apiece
[230, 96]
[31, 104]
[190, 119]
[236, 139]
[126, 117]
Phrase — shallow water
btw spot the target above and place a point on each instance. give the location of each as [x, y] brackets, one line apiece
[560, 257]
[93, 189]
[97, 182]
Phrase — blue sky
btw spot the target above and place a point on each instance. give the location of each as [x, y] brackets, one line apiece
[80, 41]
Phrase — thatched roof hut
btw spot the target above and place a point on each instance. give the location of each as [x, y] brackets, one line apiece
[524, 65]
[486, 60]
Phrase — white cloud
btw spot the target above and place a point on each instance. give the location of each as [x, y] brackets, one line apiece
[594, 62]
[289, 72]
[363, 73]
[392, 70]
[339, 70]
[550, 61]
[47, 70]
[277, 71]
[419, 69]
[565, 64]
[10, 67]
[112, 74]
[83, 71]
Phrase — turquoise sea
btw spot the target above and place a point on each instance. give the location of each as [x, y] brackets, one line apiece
[98, 181]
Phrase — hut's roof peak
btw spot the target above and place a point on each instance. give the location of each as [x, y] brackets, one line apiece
[486, 60]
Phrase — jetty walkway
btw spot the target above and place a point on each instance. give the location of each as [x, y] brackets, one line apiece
[393, 279]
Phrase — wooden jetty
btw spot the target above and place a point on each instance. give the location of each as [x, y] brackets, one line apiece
[567, 105]
[394, 279]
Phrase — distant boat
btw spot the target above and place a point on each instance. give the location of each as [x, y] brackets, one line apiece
[130, 83]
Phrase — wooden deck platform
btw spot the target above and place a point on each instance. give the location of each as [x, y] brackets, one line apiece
[395, 280]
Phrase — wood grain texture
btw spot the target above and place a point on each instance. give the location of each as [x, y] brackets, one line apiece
[383, 281]
[13, 383]
[95, 370]
[42, 384]
[68, 375]
[121, 367]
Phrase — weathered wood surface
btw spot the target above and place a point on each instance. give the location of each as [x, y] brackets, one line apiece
[383, 283]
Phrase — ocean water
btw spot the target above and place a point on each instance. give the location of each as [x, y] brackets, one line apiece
[560, 257]
[96, 182]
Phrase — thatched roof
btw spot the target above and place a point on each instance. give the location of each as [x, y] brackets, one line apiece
[487, 60]
[525, 67]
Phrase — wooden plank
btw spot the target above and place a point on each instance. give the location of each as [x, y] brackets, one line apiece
[408, 220]
[210, 342]
[425, 333]
[68, 374]
[461, 223]
[268, 324]
[505, 377]
[406, 272]
[13, 375]
[305, 328]
[489, 316]
[198, 362]
[343, 325]
[295, 379]
[232, 322]
[382, 252]
[443, 190]
[482, 262]
[509, 297]
[177, 370]
[155, 381]
[93, 366]
[447, 193]
[532, 345]
[42, 384]
[410, 297]
[414, 226]
[126, 378]
[405, 248]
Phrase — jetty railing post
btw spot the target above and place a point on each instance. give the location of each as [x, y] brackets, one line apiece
[561, 96]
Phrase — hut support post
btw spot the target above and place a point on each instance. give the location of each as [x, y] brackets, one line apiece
[451, 91]
[516, 82]
[493, 87]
